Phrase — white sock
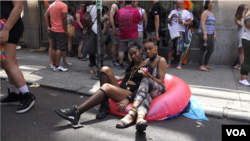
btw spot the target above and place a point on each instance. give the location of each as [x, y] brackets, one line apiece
[13, 89]
[24, 89]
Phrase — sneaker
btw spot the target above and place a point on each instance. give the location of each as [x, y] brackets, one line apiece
[26, 103]
[105, 57]
[116, 64]
[11, 99]
[179, 67]
[60, 68]
[121, 66]
[72, 115]
[51, 66]
[244, 82]
[104, 110]
[168, 65]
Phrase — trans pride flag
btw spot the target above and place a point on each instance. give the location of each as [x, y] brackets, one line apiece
[2, 53]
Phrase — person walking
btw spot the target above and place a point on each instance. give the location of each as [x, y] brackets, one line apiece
[245, 67]
[105, 29]
[80, 30]
[58, 18]
[239, 20]
[12, 31]
[207, 35]
[128, 19]
[181, 17]
[154, 20]
[71, 32]
[141, 26]
[115, 28]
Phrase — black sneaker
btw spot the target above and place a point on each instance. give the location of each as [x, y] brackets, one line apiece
[11, 99]
[104, 110]
[26, 103]
[71, 115]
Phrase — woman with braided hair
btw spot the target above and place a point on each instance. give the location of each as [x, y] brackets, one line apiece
[110, 88]
[245, 67]
[151, 86]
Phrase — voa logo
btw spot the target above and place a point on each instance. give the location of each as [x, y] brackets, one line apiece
[236, 132]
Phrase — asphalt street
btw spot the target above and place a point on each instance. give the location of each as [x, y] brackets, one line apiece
[41, 123]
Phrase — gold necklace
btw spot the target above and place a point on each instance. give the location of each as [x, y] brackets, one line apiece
[132, 73]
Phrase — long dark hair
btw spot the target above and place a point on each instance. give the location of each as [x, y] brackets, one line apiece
[240, 9]
[206, 5]
[132, 63]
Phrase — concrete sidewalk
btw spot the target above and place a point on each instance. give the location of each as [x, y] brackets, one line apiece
[217, 91]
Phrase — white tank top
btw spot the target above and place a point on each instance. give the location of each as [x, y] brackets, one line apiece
[140, 26]
[246, 34]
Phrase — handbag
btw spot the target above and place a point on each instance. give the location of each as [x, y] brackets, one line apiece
[173, 30]
[2, 52]
[71, 31]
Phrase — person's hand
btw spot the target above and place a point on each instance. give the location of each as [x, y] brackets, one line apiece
[4, 36]
[123, 104]
[180, 21]
[205, 37]
[157, 37]
[48, 29]
[84, 32]
[66, 32]
[108, 17]
[117, 78]
[146, 74]
[174, 15]
[114, 32]
[215, 37]
[104, 32]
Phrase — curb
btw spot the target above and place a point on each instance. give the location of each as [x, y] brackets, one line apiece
[219, 113]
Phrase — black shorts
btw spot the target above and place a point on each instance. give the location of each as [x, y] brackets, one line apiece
[59, 41]
[16, 32]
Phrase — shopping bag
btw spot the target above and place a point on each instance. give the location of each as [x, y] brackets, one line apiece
[173, 30]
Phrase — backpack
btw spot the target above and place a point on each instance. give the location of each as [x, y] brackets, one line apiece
[87, 20]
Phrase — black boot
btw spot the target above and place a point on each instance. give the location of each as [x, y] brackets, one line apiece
[104, 110]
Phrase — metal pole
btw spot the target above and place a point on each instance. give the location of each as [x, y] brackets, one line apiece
[99, 39]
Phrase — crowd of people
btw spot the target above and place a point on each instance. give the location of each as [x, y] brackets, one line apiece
[127, 25]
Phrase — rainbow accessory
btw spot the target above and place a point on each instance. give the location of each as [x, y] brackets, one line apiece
[188, 5]
[2, 53]
[134, 108]
[154, 52]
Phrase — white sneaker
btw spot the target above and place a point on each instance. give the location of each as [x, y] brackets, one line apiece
[244, 82]
[51, 66]
[60, 68]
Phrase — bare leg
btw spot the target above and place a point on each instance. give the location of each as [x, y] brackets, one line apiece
[106, 49]
[58, 57]
[69, 43]
[10, 66]
[181, 57]
[50, 51]
[241, 56]
[121, 57]
[80, 49]
[169, 56]
[114, 48]
[243, 77]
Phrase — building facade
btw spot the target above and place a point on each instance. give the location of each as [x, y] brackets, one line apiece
[225, 52]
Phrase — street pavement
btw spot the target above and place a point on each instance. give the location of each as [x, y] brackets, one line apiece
[42, 123]
[217, 91]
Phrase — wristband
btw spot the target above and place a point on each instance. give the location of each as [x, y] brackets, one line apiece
[154, 79]
[129, 98]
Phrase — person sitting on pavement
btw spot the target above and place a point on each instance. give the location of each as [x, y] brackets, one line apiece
[128, 19]
[245, 67]
[178, 16]
[207, 35]
[110, 88]
[12, 31]
[151, 86]
[57, 12]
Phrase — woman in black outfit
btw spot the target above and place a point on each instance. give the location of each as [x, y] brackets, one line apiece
[111, 89]
[10, 35]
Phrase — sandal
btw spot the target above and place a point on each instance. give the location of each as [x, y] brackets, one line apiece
[125, 123]
[92, 70]
[141, 125]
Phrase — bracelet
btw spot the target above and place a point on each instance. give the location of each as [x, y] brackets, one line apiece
[129, 98]
[154, 79]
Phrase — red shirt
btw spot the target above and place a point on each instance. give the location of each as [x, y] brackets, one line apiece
[81, 19]
[128, 19]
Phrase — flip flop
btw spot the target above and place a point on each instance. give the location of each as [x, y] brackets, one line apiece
[204, 70]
